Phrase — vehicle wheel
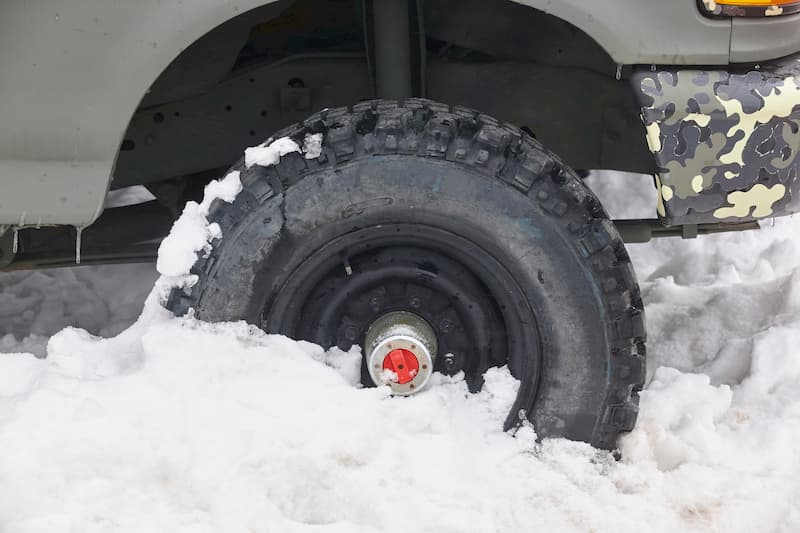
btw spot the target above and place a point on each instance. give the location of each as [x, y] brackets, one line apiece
[457, 220]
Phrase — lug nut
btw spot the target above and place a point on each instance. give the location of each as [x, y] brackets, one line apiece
[351, 333]
[375, 303]
[450, 362]
[414, 302]
[445, 326]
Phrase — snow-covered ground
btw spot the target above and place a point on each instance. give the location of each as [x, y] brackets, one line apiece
[175, 425]
[102, 300]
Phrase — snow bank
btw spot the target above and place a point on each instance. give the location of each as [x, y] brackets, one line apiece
[177, 425]
[185, 426]
[707, 299]
[103, 300]
[210, 428]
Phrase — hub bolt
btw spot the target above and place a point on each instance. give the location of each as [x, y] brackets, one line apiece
[375, 303]
[445, 325]
[351, 333]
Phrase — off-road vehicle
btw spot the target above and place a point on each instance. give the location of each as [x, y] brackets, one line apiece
[443, 225]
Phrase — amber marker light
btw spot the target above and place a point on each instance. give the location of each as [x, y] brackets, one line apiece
[756, 2]
[750, 8]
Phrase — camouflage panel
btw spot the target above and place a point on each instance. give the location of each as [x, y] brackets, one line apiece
[725, 144]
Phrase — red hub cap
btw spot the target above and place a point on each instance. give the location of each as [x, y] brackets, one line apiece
[403, 363]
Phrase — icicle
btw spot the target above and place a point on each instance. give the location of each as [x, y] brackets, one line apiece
[79, 229]
[15, 240]
[619, 72]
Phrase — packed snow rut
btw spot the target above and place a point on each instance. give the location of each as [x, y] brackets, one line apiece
[178, 425]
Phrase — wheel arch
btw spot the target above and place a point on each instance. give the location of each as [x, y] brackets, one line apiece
[59, 139]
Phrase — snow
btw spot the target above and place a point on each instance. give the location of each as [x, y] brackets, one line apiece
[36, 304]
[270, 152]
[135, 194]
[312, 146]
[178, 425]
[192, 233]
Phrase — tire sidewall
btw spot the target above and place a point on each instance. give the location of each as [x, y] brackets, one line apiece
[274, 237]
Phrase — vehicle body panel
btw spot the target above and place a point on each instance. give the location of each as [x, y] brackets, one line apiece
[73, 73]
[756, 39]
[71, 76]
[672, 32]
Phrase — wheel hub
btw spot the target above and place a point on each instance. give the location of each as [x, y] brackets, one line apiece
[342, 291]
[403, 363]
[400, 349]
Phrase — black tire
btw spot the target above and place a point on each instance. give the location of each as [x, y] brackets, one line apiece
[455, 203]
